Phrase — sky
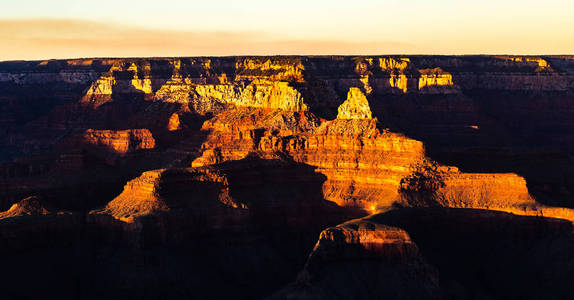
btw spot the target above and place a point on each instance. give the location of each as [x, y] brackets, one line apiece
[40, 29]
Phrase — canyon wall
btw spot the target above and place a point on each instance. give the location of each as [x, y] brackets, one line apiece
[336, 113]
[268, 153]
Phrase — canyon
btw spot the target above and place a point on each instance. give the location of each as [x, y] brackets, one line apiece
[288, 177]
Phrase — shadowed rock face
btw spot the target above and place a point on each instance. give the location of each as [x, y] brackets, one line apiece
[476, 253]
[490, 254]
[364, 260]
[213, 177]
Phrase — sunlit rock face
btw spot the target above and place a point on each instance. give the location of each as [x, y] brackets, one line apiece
[539, 62]
[436, 81]
[177, 88]
[275, 69]
[363, 166]
[394, 64]
[252, 87]
[122, 78]
[432, 185]
[174, 123]
[398, 71]
[355, 107]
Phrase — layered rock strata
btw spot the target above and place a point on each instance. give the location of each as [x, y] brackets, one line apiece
[364, 166]
[270, 105]
[110, 144]
[246, 160]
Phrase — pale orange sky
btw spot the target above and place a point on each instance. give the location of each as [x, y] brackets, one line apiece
[40, 39]
[32, 29]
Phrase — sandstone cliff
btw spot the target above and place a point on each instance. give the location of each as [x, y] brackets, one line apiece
[277, 105]
[365, 167]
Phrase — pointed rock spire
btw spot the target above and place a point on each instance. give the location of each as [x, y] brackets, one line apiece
[355, 107]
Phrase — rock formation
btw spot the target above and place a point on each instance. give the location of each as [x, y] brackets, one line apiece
[111, 144]
[355, 107]
[436, 81]
[158, 191]
[364, 260]
[26, 207]
[195, 165]
[121, 141]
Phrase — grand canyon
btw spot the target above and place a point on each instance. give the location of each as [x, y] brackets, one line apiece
[287, 177]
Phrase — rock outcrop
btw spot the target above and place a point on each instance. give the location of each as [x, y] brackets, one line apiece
[355, 107]
[436, 81]
[352, 153]
[364, 260]
[161, 190]
[121, 142]
[30, 206]
[110, 145]
[363, 239]
[367, 168]
[122, 78]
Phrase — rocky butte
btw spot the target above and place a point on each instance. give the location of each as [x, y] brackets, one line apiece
[323, 177]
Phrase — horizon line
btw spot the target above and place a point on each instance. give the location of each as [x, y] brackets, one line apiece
[283, 55]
